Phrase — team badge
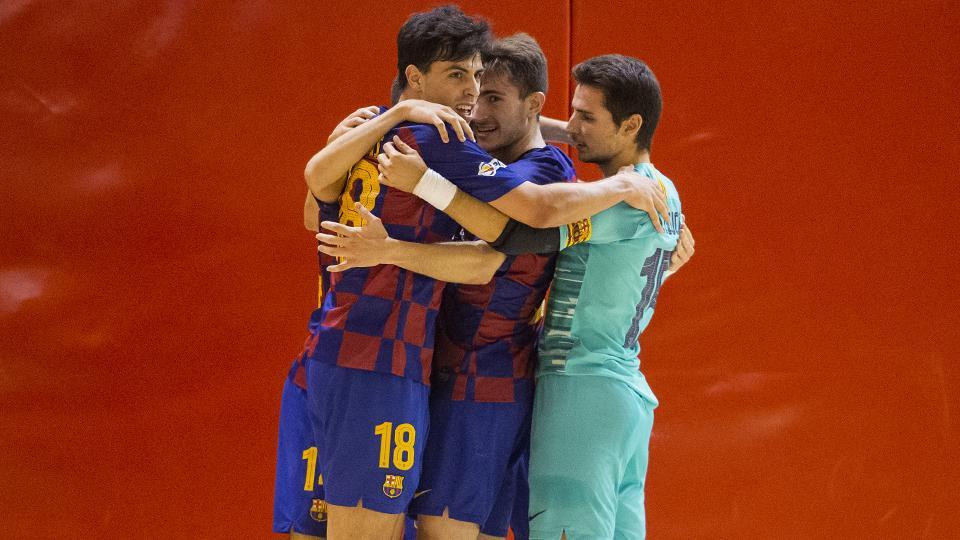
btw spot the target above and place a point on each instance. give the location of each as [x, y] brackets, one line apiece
[318, 511]
[393, 486]
[491, 167]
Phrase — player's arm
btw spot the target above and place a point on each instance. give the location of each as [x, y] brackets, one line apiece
[540, 206]
[370, 245]
[612, 225]
[326, 171]
[554, 130]
[357, 117]
[555, 204]
[311, 212]
[683, 252]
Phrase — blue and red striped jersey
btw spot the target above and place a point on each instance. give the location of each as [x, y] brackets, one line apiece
[487, 334]
[383, 318]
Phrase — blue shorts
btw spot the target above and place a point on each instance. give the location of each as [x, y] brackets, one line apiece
[298, 503]
[471, 462]
[373, 427]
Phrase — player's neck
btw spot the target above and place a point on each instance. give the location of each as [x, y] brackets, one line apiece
[624, 159]
[532, 139]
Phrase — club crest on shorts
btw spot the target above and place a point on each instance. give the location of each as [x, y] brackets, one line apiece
[393, 486]
[318, 510]
[491, 167]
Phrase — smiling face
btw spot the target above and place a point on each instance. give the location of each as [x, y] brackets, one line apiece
[452, 83]
[501, 117]
[597, 137]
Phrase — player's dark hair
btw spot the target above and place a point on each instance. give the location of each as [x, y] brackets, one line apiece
[520, 58]
[629, 87]
[395, 91]
[441, 34]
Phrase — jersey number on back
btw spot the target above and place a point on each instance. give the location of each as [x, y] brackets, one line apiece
[363, 181]
[653, 269]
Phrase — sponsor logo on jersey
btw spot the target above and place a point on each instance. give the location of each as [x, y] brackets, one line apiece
[318, 510]
[491, 167]
[393, 486]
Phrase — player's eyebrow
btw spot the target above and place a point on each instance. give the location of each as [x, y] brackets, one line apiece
[491, 93]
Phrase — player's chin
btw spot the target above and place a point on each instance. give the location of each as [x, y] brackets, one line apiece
[487, 139]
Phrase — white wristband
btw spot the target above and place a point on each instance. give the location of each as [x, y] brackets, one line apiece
[435, 189]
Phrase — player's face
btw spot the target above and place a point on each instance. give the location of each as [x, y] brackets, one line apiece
[500, 118]
[594, 133]
[455, 84]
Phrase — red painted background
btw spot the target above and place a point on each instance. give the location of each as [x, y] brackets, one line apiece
[155, 279]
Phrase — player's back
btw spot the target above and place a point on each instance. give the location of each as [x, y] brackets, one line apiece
[605, 291]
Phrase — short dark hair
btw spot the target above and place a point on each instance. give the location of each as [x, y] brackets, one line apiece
[395, 91]
[519, 57]
[629, 87]
[441, 34]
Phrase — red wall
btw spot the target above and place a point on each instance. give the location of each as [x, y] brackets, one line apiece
[155, 279]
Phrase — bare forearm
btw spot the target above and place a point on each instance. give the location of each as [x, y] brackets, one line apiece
[575, 201]
[560, 203]
[482, 220]
[554, 130]
[311, 213]
[454, 262]
[327, 169]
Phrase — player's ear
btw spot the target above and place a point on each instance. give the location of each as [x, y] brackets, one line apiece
[414, 77]
[631, 126]
[535, 103]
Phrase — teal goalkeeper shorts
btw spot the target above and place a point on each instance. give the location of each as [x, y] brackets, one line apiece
[588, 458]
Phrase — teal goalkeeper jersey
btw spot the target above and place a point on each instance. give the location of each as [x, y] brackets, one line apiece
[605, 289]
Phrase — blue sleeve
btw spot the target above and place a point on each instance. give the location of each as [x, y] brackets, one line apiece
[465, 164]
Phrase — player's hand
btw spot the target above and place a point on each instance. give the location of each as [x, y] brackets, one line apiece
[356, 118]
[357, 247]
[684, 250]
[646, 194]
[400, 166]
[425, 112]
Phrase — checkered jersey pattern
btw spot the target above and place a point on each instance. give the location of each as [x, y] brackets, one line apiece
[298, 373]
[487, 334]
[384, 318]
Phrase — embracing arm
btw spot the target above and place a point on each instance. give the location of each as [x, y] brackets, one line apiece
[683, 252]
[454, 262]
[559, 203]
[310, 207]
[554, 130]
[327, 169]
[369, 245]
[540, 206]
